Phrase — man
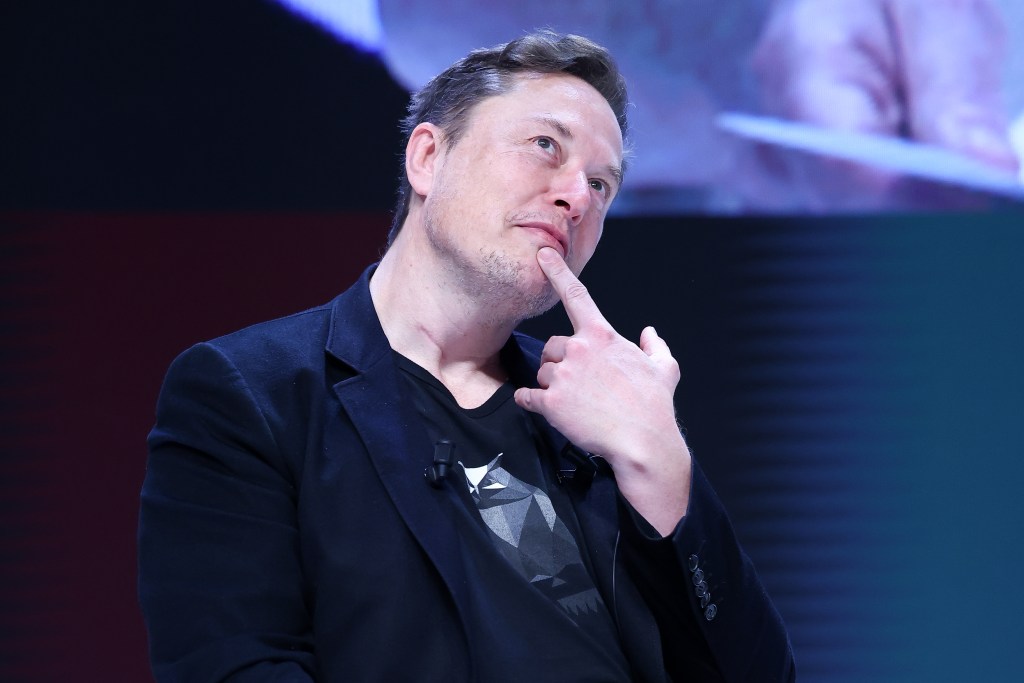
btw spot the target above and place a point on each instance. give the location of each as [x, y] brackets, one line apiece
[287, 531]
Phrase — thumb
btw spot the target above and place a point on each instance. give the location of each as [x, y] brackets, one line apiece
[527, 399]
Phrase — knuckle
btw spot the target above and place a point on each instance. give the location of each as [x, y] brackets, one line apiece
[552, 347]
[575, 345]
[576, 291]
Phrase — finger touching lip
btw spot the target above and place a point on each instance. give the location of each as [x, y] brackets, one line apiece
[554, 239]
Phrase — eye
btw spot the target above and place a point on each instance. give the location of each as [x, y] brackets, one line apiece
[546, 143]
[599, 185]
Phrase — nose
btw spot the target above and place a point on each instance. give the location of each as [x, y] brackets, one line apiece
[571, 191]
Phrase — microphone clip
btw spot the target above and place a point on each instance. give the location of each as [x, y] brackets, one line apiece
[578, 466]
[444, 458]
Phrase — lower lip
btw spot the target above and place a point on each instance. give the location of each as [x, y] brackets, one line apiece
[549, 239]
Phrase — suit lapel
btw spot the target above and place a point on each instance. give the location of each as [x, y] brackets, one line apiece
[373, 397]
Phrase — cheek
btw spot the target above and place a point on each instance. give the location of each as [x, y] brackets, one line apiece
[584, 246]
[455, 202]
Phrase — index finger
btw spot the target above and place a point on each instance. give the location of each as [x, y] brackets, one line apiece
[579, 305]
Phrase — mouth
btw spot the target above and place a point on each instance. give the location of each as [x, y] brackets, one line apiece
[559, 239]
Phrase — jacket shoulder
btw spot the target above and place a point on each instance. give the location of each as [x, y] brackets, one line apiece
[293, 340]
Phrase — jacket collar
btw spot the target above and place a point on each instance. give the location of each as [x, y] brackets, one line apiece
[356, 337]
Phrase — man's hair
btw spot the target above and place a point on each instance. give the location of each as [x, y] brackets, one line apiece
[447, 100]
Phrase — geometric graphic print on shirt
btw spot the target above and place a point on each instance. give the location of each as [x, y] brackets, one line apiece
[518, 513]
[529, 578]
[521, 535]
[528, 533]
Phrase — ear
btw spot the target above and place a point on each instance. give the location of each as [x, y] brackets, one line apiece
[421, 154]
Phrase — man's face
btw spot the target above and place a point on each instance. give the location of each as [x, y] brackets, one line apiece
[537, 166]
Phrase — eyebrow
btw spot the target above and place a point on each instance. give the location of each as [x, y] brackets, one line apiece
[613, 170]
[557, 125]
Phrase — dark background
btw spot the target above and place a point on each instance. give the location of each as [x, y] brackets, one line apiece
[171, 171]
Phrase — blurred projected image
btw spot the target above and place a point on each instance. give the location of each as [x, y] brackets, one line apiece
[767, 106]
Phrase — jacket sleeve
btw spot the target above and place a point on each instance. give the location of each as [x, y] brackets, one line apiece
[703, 589]
[220, 579]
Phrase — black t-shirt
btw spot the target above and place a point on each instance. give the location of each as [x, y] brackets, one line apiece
[523, 548]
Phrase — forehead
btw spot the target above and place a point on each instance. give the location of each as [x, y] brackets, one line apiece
[561, 98]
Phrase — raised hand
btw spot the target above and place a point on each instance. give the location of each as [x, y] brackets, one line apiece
[614, 398]
[926, 70]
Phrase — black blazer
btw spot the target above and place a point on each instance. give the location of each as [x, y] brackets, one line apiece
[287, 532]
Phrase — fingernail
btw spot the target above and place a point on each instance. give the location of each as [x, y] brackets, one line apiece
[547, 254]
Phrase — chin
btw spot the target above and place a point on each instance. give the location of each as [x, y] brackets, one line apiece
[528, 300]
[514, 288]
[541, 308]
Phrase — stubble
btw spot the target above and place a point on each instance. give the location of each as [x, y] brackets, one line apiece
[491, 281]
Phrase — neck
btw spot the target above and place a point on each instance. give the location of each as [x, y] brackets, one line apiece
[429, 319]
